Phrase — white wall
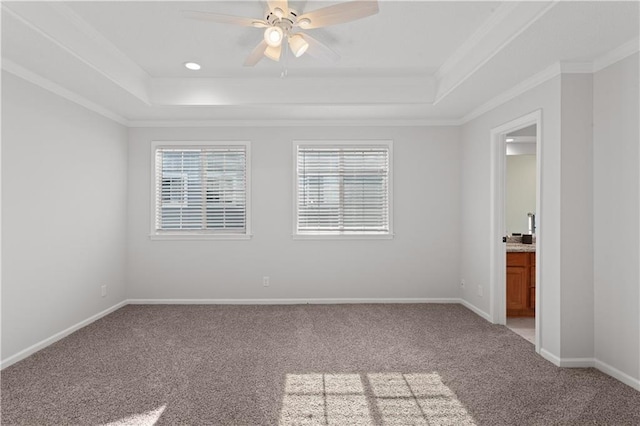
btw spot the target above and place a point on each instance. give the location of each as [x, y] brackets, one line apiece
[64, 172]
[476, 204]
[520, 192]
[616, 215]
[589, 214]
[420, 262]
[576, 186]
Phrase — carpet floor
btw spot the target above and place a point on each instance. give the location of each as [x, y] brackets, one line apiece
[306, 365]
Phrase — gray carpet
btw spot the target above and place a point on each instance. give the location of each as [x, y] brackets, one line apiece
[304, 364]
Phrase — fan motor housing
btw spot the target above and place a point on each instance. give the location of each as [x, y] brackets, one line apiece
[286, 22]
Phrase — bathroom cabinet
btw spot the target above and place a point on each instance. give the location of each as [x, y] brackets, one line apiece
[521, 284]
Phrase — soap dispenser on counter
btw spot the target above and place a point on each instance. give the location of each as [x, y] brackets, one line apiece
[532, 223]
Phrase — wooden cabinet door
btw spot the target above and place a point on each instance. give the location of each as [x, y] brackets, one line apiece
[532, 283]
[517, 289]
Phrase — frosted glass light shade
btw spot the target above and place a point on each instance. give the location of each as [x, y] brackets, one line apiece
[273, 36]
[298, 45]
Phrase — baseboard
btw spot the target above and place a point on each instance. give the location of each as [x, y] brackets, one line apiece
[50, 340]
[617, 374]
[550, 357]
[287, 301]
[576, 362]
[566, 362]
[592, 363]
[475, 309]
[560, 362]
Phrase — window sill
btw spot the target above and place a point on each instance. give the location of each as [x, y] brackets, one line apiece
[343, 237]
[191, 237]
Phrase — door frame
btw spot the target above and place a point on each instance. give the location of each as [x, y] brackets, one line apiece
[498, 268]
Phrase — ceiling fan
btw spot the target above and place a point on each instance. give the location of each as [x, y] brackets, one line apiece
[284, 24]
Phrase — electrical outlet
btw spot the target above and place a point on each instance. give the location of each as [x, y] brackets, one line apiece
[462, 283]
[480, 291]
[265, 281]
[104, 290]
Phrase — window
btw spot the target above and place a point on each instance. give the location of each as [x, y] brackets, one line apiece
[201, 190]
[343, 189]
[174, 189]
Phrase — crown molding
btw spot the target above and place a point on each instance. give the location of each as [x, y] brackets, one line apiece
[69, 32]
[491, 24]
[625, 50]
[576, 67]
[617, 54]
[15, 69]
[517, 90]
[512, 19]
[293, 123]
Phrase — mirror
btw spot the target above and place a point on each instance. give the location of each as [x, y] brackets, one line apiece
[520, 180]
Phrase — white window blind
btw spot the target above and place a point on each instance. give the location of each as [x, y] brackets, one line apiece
[201, 189]
[343, 189]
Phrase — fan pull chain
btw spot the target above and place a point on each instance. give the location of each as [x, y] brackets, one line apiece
[285, 63]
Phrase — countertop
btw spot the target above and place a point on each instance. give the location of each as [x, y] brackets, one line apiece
[520, 248]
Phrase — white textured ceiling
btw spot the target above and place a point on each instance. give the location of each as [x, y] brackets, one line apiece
[403, 35]
[414, 61]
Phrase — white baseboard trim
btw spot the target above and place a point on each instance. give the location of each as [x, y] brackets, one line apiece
[560, 362]
[550, 357]
[475, 310]
[592, 363]
[617, 374]
[64, 333]
[287, 301]
[576, 362]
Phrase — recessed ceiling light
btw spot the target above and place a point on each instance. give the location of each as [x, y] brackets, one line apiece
[192, 66]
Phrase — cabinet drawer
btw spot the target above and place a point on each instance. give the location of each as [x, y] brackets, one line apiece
[517, 259]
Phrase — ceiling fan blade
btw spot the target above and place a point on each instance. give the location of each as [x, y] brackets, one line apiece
[320, 50]
[281, 4]
[224, 19]
[338, 14]
[256, 54]
[273, 52]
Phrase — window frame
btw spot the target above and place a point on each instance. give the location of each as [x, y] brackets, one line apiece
[198, 234]
[387, 143]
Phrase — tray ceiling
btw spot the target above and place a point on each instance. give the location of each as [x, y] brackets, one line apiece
[415, 61]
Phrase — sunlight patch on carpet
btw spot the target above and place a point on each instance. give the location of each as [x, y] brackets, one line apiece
[398, 399]
[419, 399]
[324, 399]
[149, 418]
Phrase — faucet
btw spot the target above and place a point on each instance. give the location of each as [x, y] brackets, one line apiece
[532, 223]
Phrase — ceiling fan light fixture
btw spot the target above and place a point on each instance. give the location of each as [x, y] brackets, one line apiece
[273, 36]
[298, 45]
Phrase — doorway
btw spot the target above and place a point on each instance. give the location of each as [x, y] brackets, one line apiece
[516, 219]
[520, 224]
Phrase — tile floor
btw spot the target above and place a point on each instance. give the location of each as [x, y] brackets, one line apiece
[523, 326]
